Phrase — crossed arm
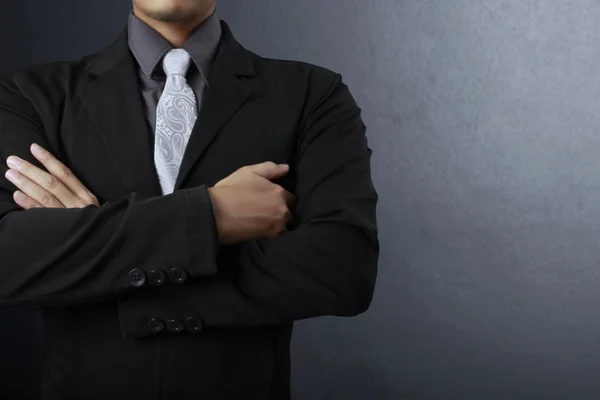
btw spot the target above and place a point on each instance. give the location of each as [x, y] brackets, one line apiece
[83, 251]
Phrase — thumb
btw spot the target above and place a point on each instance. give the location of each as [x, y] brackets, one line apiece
[269, 170]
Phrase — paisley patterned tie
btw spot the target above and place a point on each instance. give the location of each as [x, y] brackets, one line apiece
[175, 118]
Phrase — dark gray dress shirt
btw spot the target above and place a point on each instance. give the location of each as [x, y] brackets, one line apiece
[149, 48]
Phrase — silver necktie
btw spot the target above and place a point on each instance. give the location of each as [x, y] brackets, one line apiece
[175, 118]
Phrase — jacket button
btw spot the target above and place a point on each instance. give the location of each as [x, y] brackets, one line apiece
[156, 325]
[193, 325]
[137, 277]
[175, 325]
[156, 277]
[177, 275]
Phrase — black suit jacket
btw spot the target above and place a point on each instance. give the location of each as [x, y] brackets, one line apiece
[139, 300]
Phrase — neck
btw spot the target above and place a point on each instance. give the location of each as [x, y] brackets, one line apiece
[175, 33]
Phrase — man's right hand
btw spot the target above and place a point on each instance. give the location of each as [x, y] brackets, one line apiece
[248, 206]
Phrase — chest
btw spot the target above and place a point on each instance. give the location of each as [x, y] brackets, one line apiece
[114, 158]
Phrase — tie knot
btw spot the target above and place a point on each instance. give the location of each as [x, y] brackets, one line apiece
[176, 62]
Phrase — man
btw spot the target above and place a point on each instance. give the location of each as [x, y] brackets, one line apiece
[174, 203]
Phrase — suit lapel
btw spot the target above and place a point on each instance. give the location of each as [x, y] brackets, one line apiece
[227, 92]
[114, 103]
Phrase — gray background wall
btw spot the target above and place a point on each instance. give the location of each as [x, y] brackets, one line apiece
[483, 119]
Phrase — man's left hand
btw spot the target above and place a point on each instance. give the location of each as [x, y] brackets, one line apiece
[57, 188]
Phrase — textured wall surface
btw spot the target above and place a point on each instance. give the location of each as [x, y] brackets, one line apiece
[483, 119]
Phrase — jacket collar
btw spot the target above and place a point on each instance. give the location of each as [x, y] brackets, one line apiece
[149, 47]
[112, 98]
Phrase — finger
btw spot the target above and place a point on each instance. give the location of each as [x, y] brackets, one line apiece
[25, 201]
[33, 190]
[63, 173]
[44, 180]
[289, 221]
[290, 199]
[269, 170]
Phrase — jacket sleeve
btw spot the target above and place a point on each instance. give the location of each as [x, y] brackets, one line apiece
[325, 265]
[52, 257]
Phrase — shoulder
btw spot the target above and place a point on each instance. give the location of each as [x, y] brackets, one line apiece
[297, 72]
[36, 90]
[55, 77]
[315, 85]
[322, 97]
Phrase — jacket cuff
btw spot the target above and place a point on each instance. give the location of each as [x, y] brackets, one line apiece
[202, 236]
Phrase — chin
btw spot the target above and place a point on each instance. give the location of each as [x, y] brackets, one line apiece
[174, 10]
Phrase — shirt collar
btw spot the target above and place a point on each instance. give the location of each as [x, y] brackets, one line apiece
[149, 47]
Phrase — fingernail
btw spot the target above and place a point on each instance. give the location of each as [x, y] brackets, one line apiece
[13, 161]
[284, 166]
[19, 196]
[36, 149]
[11, 175]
